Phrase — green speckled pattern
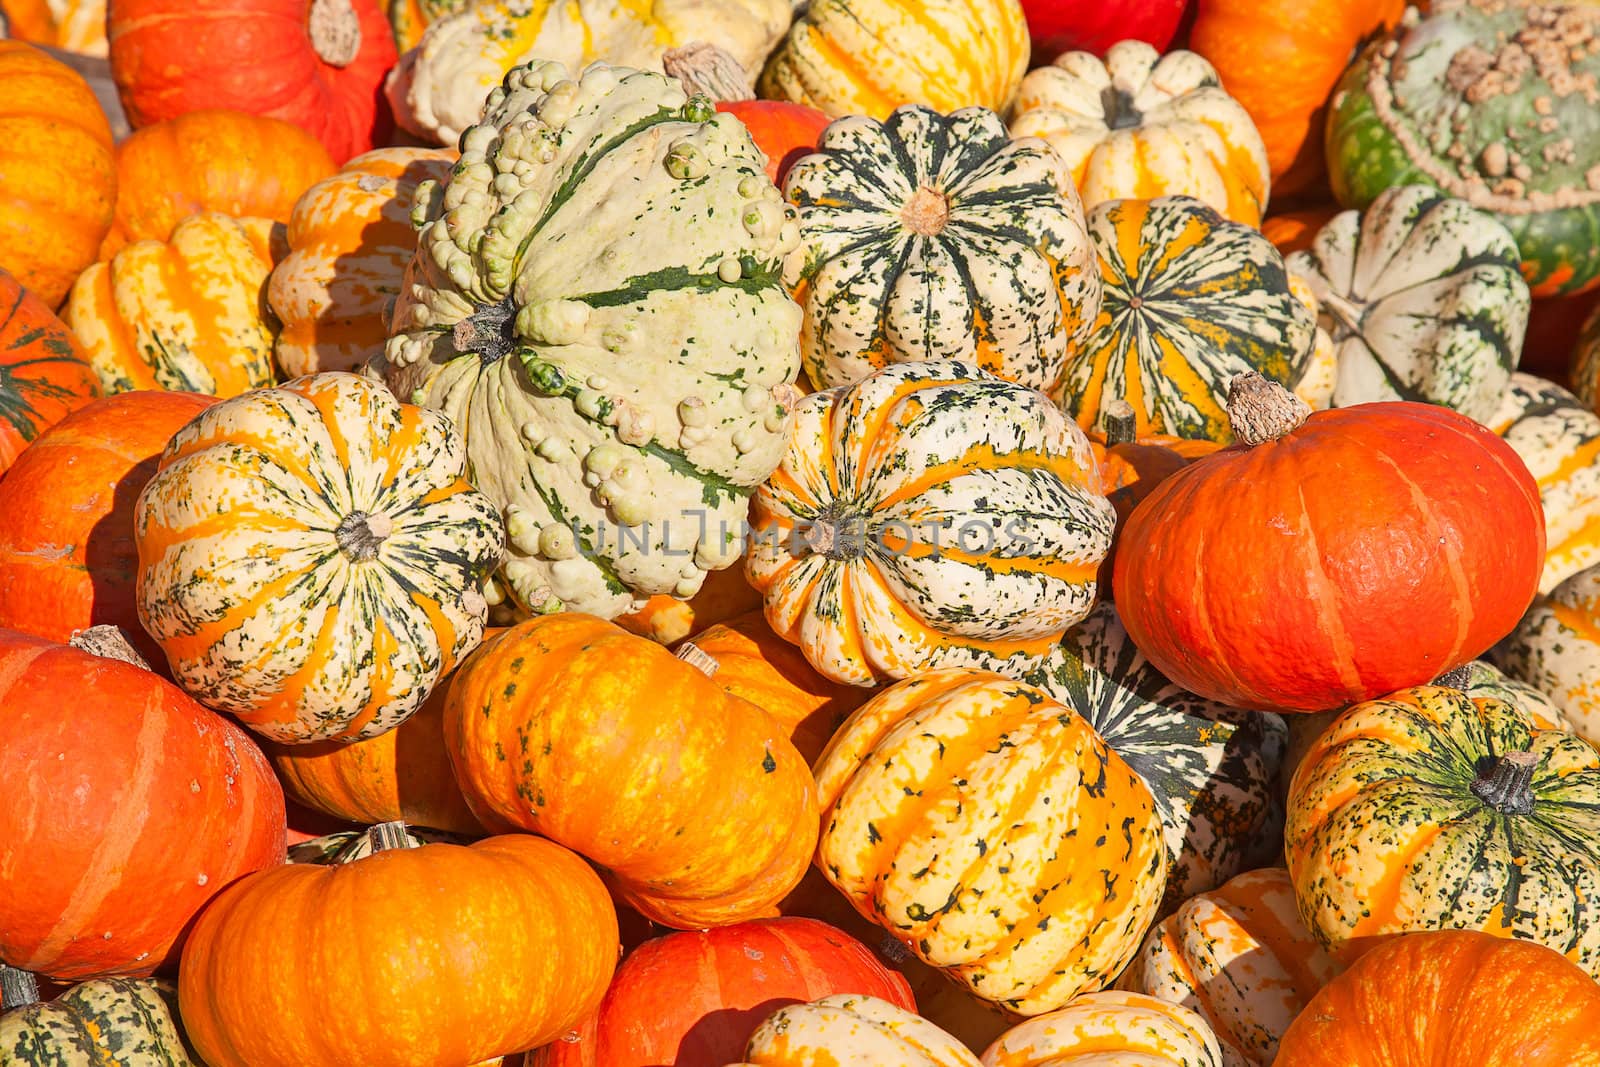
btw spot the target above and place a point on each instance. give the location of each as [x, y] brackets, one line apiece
[110, 1022]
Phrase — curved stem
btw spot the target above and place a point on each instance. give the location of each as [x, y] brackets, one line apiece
[107, 642]
[18, 988]
[1505, 782]
[705, 69]
[1261, 410]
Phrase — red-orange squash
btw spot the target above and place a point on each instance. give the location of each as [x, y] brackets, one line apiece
[44, 374]
[783, 130]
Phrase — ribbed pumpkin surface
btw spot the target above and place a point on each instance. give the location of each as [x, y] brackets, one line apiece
[850, 1030]
[1115, 1027]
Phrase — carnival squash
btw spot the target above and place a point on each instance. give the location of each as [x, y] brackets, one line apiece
[108, 1021]
[1111, 1027]
[1556, 649]
[44, 373]
[851, 1030]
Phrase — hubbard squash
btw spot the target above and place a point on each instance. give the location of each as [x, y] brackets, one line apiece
[44, 373]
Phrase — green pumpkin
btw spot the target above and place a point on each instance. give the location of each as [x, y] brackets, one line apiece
[1494, 103]
[109, 1022]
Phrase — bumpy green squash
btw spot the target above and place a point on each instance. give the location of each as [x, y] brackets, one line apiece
[1495, 103]
[109, 1022]
[596, 300]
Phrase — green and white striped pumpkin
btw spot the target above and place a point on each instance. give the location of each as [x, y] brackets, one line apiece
[1191, 300]
[109, 1022]
[1559, 439]
[1424, 297]
[597, 302]
[928, 237]
[1212, 769]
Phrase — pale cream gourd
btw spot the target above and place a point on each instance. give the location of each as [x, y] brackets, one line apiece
[1111, 1029]
[852, 1030]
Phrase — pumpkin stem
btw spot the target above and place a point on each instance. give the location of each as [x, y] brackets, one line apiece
[1121, 423]
[698, 658]
[335, 30]
[703, 69]
[107, 642]
[1505, 783]
[386, 836]
[1261, 410]
[927, 212]
[360, 534]
[18, 988]
[1117, 105]
[837, 533]
[490, 332]
[1455, 679]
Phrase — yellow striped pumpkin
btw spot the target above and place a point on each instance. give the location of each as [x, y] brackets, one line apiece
[990, 830]
[1138, 125]
[311, 558]
[852, 1030]
[1430, 809]
[930, 515]
[350, 239]
[867, 57]
[1190, 301]
[1240, 956]
[930, 237]
[1556, 648]
[186, 313]
[1115, 1027]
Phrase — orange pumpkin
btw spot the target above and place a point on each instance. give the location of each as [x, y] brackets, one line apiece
[668, 620]
[230, 162]
[44, 374]
[57, 174]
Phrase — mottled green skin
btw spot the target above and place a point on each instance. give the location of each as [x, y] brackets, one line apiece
[110, 1022]
[1560, 247]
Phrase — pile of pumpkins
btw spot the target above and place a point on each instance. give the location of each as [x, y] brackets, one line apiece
[739, 532]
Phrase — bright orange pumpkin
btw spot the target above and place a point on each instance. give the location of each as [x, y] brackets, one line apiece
[668, 620]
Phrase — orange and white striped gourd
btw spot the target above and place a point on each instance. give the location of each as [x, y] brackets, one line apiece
[185, 313]
[993, 833]
[1115, 1027]
[931, 515]
[852, 1030]
[1556, 648]
[1240, 956]
[1138, 125]
[311, 557]
[350, 239]
[867, 57]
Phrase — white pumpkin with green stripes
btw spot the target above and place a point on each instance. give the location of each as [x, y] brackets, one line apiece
[1191, 301]
[1212, 769]
[597, 301]
[1424, 297]
[928, 237]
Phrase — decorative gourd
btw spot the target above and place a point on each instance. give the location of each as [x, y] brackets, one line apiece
[930, 237]
[621, 377]
[1139, 124]
[1191, 300]
[667, 620]
[438, 88]
[57, 174]
[120, 825]
[868, 57]
[691, 999]
[1240, 956]
[183, 314]
[1455, 998]
[1111, 1027]
[311, 558]
[1556, 650]
[1058, 26]
[349, 243]
[1422, 294]
[1210, 768]
[1493, 103]
[695, 801]
[992, 832]
[402, 774]
[109, 1021]
[902, 533]
[852, 1030]
[1293, 231]
[1559, 439]
[44, 374]
[1229, 554]
[1281, 60]
[70, 25]
[437, 953]
[1431, 809]
[67, 556]
[746, 659]
[317, 65]
[232, 162]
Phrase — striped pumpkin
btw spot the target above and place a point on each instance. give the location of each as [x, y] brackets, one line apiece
[1423, 296]
[349, 240]
[1240, 956]
[867, 57]
[311, 558]
[930, 515]
[1190, 301]
[184, 314]
[929, 237]
[1212, 769]
[44, 373]
[1558, 437]
[992, 832]
[114, 1022]
[1430, 809]
[1138, 125]
[852, 1030]
[1556, 649]
[622, 377]
[1099, 1029]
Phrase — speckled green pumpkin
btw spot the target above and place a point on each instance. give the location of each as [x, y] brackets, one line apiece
[596, 300]
[1212, 769]
[1495, 103]
[109, 1022]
